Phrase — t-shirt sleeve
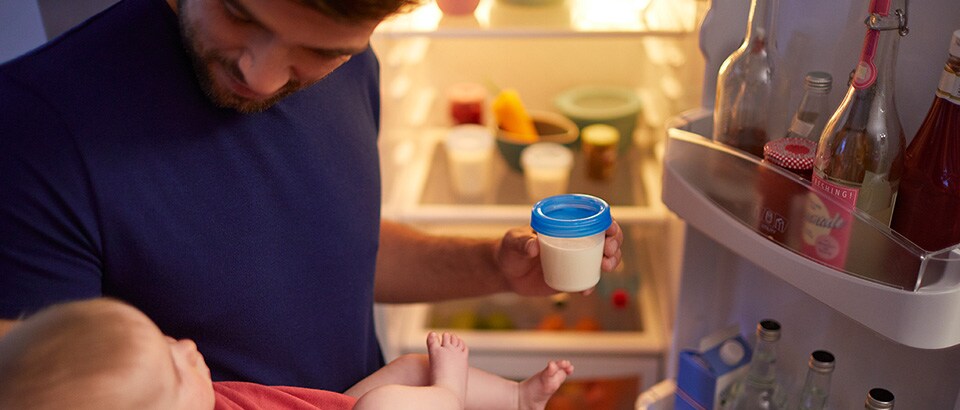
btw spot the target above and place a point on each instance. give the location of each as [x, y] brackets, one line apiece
[49, 244]
[249, 396]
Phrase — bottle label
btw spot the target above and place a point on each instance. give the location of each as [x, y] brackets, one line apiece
[949, 87]
[801, 127]
[828, 220]
[866, 72]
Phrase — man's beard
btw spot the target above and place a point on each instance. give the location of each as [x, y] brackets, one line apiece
[204, 61]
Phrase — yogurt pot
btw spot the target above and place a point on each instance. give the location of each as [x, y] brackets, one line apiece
[470, 153]
[570, 229]
[546, 169]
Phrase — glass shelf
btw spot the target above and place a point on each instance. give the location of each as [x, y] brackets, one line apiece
[564, 18]
[887, 283]
[422, 191]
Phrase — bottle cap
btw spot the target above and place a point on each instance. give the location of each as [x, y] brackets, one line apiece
[570, 216]
[791, 153]
[818, 80]
[879, 398]
[821, 361]
[768, 330]
[955, 44]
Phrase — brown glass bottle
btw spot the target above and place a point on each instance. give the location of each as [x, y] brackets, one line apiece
[928, 203]
[745, 85]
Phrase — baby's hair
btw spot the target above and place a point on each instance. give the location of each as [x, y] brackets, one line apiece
[76, 355]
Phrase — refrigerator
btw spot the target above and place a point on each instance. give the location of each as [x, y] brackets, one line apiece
[543, 51]
[711, 269]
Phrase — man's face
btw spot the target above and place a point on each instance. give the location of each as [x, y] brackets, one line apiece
[249, 54]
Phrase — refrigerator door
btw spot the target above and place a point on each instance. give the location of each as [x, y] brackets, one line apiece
[903, 340]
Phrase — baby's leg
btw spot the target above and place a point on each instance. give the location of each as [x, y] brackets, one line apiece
[536, 390]
[448, 362]
[399, 385]
[489, 391]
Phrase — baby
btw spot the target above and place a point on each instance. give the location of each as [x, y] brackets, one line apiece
[102, 353]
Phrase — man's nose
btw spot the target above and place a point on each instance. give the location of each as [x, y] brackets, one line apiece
[265, 67]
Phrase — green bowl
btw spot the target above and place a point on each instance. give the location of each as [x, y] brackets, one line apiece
[551, 127]
[618, 107]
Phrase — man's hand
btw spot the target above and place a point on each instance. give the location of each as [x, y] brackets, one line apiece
[518, 258]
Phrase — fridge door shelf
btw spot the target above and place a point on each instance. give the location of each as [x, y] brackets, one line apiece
[887, 283]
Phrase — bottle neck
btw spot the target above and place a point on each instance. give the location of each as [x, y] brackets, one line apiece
[878, 59]
[760, 26]
[817, 386]
[763, 364]
[949, 87]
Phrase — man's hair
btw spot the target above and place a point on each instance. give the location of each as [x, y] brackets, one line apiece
[79, 355]
[360, 10]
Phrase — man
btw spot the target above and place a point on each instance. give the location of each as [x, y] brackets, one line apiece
[214, 163]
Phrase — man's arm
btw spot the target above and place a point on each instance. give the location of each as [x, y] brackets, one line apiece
[413, 266]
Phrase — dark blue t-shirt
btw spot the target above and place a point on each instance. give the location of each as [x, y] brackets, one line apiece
[255, 235]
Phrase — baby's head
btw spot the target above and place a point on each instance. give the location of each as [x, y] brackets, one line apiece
[99, 354]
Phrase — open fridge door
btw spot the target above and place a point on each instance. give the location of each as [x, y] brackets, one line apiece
[904, 339]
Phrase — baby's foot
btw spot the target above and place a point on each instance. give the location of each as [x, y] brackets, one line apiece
[448, 363]
[536, 390]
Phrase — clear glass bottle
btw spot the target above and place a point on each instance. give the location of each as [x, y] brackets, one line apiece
[860, 155]
[929, 197]
[745, 85]
[811, 116]
[816, 387]
[761, 388]
[878, 399]
[859, 158]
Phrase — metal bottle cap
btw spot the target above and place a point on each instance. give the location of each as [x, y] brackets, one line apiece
[822, 361]
[818, 80]
[879, 399]
[768, 330]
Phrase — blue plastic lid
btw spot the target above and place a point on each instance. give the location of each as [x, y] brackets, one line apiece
[570, 216]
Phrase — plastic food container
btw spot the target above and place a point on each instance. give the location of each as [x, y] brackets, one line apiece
[570, 229]
[615, 106]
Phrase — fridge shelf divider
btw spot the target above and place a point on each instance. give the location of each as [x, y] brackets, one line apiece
[899, 290]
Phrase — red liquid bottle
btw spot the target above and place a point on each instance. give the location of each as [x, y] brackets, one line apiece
[928, 203]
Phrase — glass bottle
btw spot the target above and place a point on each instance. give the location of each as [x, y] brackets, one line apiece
[860, 154]
[811, 116]
[760, 389]
[745, 87]
[928, 201]
[878, 399]
[816, 387]
[859, 157]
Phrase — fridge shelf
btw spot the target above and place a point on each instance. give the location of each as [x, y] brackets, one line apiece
[565, 18]
[514, 336]
[887, 283]
[420, 188]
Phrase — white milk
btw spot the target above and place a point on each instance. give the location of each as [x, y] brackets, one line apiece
[571, 264]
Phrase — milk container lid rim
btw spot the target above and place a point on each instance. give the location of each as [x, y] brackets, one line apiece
[570, 216]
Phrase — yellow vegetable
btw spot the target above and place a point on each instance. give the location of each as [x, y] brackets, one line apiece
[513, 117]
